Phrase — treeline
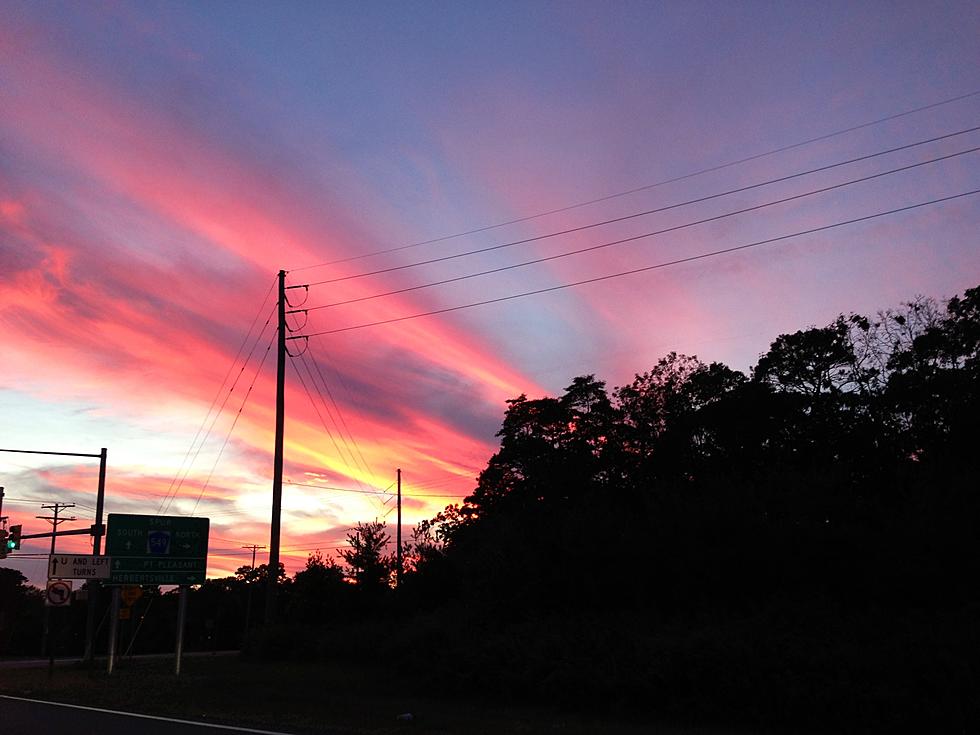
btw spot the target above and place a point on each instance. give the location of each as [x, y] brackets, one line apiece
[796, 546]
[841, 469]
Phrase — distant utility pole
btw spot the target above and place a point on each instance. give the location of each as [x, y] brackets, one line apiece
[248, 599]
[254, 548]
[272, 579]
[398, 535]
[47, 647]
[54, 520]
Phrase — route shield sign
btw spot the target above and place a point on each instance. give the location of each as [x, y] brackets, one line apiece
[157, 549]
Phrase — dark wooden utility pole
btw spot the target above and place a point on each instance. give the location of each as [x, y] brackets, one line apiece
[248, 603]
[54, 520]
[398, 535]
[272, 582]
[47, 645]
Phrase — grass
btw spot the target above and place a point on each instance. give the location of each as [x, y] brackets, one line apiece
[302, 698]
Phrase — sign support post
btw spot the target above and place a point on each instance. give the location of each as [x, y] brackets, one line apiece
[158, 550]
[181, 623]
[113, 629]
[95, 586]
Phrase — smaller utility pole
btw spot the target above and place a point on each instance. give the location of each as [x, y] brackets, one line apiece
[47, 646]
[398, 535]
[254, 548]
[248, 602]
[53, 519]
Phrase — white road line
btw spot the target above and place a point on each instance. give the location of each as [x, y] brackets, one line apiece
[145, 717]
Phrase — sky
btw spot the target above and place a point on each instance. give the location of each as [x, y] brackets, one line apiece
[161, 162]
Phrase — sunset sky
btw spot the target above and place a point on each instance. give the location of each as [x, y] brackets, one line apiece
[161, 162]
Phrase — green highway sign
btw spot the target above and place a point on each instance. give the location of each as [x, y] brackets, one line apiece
[157, 549]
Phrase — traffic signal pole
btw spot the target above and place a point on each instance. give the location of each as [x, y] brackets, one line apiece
[97, 532]
[95, 586]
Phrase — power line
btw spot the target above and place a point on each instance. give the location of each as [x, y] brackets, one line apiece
[224, 380]
[663, 182]
[234, 423]
[338, 489]
[339, 422]
[340, 414]
[635, 215]
[316, 408]
[656, 266]
[644, 235]
[369, 492]
[181, 472]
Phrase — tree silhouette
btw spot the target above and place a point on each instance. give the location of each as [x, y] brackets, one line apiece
[260, 573]
[318, 590]
[20, 608]
[367, 564]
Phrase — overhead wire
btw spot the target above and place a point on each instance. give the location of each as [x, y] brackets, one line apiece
[234, 423]
[340, 425]
[316, 408]
[657, 210]
[181, 475]
[633, 271]
[368, 492]
[340, 413]
[646, 187]
[335, 417]
[339, 422]
[354, 401]
[224, 380]
[634, 238]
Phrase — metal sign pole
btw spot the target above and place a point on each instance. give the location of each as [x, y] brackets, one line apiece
[113, 628]
[93, 589]
[181, 621]
[51, 645]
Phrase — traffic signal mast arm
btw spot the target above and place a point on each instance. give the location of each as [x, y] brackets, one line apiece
[91, 531]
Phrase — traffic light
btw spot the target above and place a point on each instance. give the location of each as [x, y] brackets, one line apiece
[3, 543]
[13, 541]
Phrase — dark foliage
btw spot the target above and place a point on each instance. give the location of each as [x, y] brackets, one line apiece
[839, 476]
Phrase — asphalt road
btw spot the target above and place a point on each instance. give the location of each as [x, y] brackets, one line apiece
[31, 715]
